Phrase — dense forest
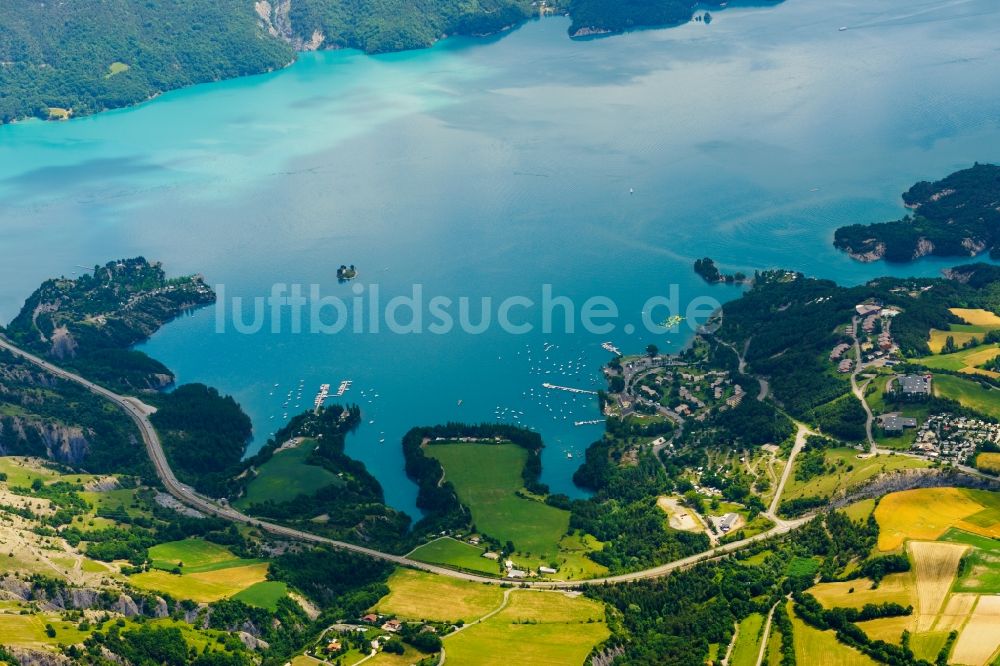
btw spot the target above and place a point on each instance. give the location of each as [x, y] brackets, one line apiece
[956, 216]
[612, 16]
[204, 434]
[395, 25]
[90, 55]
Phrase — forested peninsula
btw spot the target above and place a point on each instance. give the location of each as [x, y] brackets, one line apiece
[956, 216]
[59, 60]
[88, 325]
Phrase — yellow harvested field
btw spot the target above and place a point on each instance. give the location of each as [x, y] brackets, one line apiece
[956, 612]
[896, 588]
[981, 638]
[988, 462]
[416, 595]
[926, 514]
[973, 361]
[976, 316]
[203, 587]
[889, 629]
[238, 576]
[935, 566]
[938, 338]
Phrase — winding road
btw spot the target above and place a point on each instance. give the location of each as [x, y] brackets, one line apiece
[139, 413]
[859, 389]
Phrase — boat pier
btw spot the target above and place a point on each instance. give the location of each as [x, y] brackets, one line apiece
[569, 389]
[324, 393]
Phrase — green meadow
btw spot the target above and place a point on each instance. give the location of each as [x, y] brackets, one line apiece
[286, 476]
[969, 393]
[454, 553]
[263, 595]
[538, 628]
[487, 478]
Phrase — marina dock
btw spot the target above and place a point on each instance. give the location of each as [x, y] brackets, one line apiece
[569, 389]
[324, 393]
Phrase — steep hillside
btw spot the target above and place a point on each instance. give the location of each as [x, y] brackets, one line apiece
[65, 59]
[378, 26]
[90, 55]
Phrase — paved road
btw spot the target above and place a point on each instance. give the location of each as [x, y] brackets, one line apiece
[859, 389]
[139, 413]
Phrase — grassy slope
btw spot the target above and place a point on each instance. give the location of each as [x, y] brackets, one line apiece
[191, 554]
[486, 477]
[457, 554]
[981, 573]
[286, 476]
[852, 472]
[989, 462]
[263, 595]
[205, 586]
[969, 393]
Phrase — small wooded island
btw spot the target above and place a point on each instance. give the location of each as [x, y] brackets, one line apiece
[956, 216]
[709, 272]
[345, 273]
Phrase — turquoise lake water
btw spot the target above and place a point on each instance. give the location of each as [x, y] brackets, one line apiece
[492, 167]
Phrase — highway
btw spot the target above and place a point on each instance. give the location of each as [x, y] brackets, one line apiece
[139, 413]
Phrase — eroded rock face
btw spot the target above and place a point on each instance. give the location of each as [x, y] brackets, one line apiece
[590, 32]
[31, 657]
[274, 17]
[161, 610]
[126, 606]
[252, 642]
[64, 345]
[973, 245]
[924, 247]
[81, 598]
[67, 444]
[910, 479]
[15, 587]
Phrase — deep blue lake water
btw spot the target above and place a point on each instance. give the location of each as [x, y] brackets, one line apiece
[493, 167]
